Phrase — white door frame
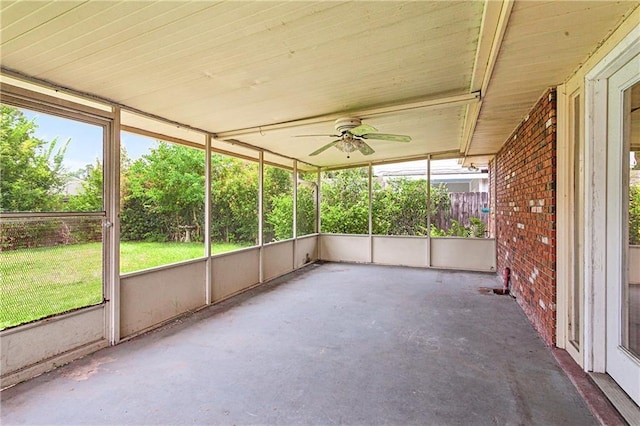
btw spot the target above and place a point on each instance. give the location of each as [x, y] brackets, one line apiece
[596, 94]
[569, 151]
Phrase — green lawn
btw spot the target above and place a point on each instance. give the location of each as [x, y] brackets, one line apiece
[36, 283]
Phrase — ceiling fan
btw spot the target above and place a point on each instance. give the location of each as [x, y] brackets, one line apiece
[351, 133]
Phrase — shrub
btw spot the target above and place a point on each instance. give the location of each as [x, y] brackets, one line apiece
[634, 215]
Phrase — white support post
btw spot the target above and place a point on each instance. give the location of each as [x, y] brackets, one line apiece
[317, 207]
[261, 213]
[370, 184]
[429, 211]
[112, 228]
[207, 221]
[318, 200]
[295, 211]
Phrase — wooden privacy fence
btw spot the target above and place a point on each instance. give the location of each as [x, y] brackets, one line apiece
[464, 205]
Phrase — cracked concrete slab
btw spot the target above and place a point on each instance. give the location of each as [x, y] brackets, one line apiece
[330, 344]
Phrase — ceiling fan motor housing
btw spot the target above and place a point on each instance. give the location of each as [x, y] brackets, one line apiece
[344, 124]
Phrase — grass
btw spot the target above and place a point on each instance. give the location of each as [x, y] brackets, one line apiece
[135, 256]
[36, 283]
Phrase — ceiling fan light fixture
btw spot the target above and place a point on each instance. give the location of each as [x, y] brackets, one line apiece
[351, 133]
[349, 144]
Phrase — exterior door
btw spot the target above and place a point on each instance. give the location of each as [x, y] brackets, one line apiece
[623, 228]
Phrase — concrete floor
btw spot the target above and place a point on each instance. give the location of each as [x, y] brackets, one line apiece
[331, 344]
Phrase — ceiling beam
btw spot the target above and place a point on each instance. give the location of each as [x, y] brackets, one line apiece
[440, 155]
[445, 102]
[494, 26]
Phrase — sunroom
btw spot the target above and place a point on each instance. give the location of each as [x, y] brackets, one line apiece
[163, 157]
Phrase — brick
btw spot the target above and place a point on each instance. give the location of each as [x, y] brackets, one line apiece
[524, 173]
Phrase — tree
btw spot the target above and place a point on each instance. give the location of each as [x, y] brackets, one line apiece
[31, 172]
[279, 216]
[234, 200]
[400, 208]
[279, 220]
[278, 204]
[440, 201]
[165, 194]
[90, 198]
[634, 215]
[306, 220]
[345, 202]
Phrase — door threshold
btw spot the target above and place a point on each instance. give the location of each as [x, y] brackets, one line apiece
[620, 400]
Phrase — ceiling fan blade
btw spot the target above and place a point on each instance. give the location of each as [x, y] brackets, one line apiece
[366, 149]
[362, 129]
[386, 137]
[324, 148]
[307, 136]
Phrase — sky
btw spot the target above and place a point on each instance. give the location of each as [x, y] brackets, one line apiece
[85, 145]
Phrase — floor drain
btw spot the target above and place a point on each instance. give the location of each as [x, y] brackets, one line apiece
[490, 290]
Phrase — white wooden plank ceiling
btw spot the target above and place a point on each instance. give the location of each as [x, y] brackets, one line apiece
[261, 72]
[544, 43]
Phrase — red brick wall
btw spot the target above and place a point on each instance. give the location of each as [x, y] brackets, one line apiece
[492, 196]
[525, 213]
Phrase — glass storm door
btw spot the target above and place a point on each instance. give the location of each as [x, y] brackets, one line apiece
[623, 229]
